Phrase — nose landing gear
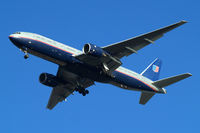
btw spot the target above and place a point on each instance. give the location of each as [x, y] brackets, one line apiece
[26, 56]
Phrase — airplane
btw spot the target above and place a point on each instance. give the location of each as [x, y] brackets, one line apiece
[79, 70]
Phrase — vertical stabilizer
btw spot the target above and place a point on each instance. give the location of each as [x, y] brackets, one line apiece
[153, 70]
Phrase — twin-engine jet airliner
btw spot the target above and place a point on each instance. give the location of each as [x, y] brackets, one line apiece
[80, 69]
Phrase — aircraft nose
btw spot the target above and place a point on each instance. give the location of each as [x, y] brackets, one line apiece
[14, 39]
[10, 36]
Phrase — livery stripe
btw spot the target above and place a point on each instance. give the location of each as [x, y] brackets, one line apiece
[136, 79]
[46, 44]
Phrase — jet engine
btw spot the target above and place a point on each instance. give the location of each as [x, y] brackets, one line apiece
[94, 50]
[48, 79]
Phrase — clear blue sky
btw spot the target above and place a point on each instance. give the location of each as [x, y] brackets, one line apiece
[107, 109]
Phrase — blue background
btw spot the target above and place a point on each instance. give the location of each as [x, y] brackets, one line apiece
[107, 109]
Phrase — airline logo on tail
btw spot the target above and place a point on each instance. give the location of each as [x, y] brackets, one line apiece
[155, 68]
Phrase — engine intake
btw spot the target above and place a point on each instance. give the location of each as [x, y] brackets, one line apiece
[94, 50]
[48, 80]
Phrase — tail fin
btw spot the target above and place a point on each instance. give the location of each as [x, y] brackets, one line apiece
[153, 70]
[146, 96]
[168, 81]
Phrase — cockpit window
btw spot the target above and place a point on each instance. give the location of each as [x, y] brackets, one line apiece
[17, 33]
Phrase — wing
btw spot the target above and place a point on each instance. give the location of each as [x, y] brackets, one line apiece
[61, 92]
[58, 94]
[127, 47]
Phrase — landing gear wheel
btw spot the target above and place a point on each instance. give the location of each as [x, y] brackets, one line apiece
[86, 91]
[26, 56]
[84, 94]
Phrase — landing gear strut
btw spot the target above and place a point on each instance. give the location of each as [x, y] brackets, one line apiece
[26, 54]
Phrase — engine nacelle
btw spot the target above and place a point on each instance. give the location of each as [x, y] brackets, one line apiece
[48, 80]
[94, 50]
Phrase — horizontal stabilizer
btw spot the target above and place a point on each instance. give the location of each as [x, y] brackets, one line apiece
[168, 81]
[145, 97]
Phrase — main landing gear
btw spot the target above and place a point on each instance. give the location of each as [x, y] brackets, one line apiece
[82, 91]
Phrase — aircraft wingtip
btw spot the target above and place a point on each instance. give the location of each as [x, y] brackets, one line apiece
[184, 21]
[189, 74]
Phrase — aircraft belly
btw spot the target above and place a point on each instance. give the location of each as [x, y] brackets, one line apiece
[47, 52]
[43, 56]
[124, 86]
[130, 83]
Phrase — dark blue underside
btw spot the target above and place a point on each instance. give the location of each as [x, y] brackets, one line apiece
[130, 81]
[48, 50]
[77, 66]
